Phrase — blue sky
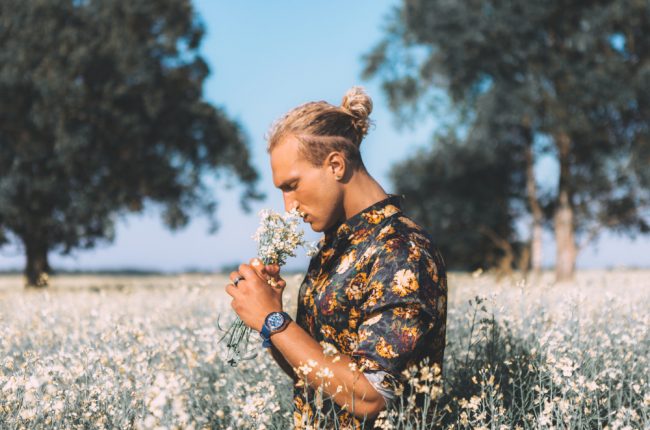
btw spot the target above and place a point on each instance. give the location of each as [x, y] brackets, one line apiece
[266, 58]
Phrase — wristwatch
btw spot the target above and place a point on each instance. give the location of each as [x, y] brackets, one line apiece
[274, 322]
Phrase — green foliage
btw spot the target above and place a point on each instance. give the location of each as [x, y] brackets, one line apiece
[573, 77]
[101, 112]
[462, 194]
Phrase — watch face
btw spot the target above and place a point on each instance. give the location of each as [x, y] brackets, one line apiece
[275, 321]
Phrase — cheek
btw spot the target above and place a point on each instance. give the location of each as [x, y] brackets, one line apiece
[330, 200]
[316, 193]
[320, 197]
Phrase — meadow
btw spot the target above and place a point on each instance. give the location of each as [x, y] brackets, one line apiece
[142, 353]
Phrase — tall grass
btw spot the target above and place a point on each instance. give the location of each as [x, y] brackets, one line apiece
[519, 355]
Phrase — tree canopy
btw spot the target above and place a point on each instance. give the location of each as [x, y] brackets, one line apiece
[101, 113]
[462, 193]
[572, 79]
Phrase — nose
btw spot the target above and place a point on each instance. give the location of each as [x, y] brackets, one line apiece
[289, 203]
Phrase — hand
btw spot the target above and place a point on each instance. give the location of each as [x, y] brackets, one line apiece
[270, 272]
[253, 297]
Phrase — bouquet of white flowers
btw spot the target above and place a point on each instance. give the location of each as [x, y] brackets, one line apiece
[277, 238]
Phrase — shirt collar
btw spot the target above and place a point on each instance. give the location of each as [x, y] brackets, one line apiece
[370, 216]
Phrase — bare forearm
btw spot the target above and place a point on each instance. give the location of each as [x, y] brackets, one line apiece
[282, 362]
[337, 375]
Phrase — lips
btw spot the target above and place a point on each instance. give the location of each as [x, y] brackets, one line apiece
[303, 215]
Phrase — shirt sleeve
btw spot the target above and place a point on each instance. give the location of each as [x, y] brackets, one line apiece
[399, 310]
[381, 381]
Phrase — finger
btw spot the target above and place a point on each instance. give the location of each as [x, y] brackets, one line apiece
[231, 290]
[272, 269]
[255, 262]
[277, 284]
[234, 275]
[259, 268]
[247, 272]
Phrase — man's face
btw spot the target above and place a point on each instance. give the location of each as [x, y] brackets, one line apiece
[311, 189]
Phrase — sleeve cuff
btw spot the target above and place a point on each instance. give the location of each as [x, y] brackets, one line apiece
[377, 380]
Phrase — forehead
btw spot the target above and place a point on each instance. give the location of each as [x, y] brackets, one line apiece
[286, 161]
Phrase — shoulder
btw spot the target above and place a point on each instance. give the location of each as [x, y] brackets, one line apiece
[400, 241]
[401, 232]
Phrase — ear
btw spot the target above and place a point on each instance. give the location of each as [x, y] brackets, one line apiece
[336, 165]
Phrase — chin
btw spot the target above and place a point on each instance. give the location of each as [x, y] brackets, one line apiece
[319, 227]
[316, 228]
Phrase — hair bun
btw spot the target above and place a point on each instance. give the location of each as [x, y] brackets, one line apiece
[358, 105]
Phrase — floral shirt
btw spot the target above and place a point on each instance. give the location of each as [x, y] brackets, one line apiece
[377, 292]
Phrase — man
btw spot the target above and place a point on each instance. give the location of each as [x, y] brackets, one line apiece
[374, 299]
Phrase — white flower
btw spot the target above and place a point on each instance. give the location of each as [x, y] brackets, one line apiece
[278, 236]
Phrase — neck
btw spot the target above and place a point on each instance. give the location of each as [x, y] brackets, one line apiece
[361, 191]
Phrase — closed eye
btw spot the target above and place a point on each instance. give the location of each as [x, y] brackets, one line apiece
[289, 187]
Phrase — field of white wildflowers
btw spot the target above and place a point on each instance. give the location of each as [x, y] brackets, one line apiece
[142, 353]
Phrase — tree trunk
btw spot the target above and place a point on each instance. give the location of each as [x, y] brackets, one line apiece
[535, 208]
[536, 247]
[504, 265]
[566, 250]
[37, 267]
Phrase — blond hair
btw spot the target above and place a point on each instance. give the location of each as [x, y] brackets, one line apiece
[323, 128]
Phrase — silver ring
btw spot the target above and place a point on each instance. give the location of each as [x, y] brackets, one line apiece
[237, 279]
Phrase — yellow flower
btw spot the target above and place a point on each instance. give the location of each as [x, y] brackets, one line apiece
[389, 210]
[409, 336]
[348, 341]
[359, 236]
[414, 253]
[363, 335]
[325, 255]
[365, 257]
[385, 349]
[353, 317]
[328, 331]
[343, 229]
[408, 222]
[376, 293]
[346, 261]
[373, 217]
[404, 282]
[406, 312]
[354, 290]
[385, 232]
[321, 282]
